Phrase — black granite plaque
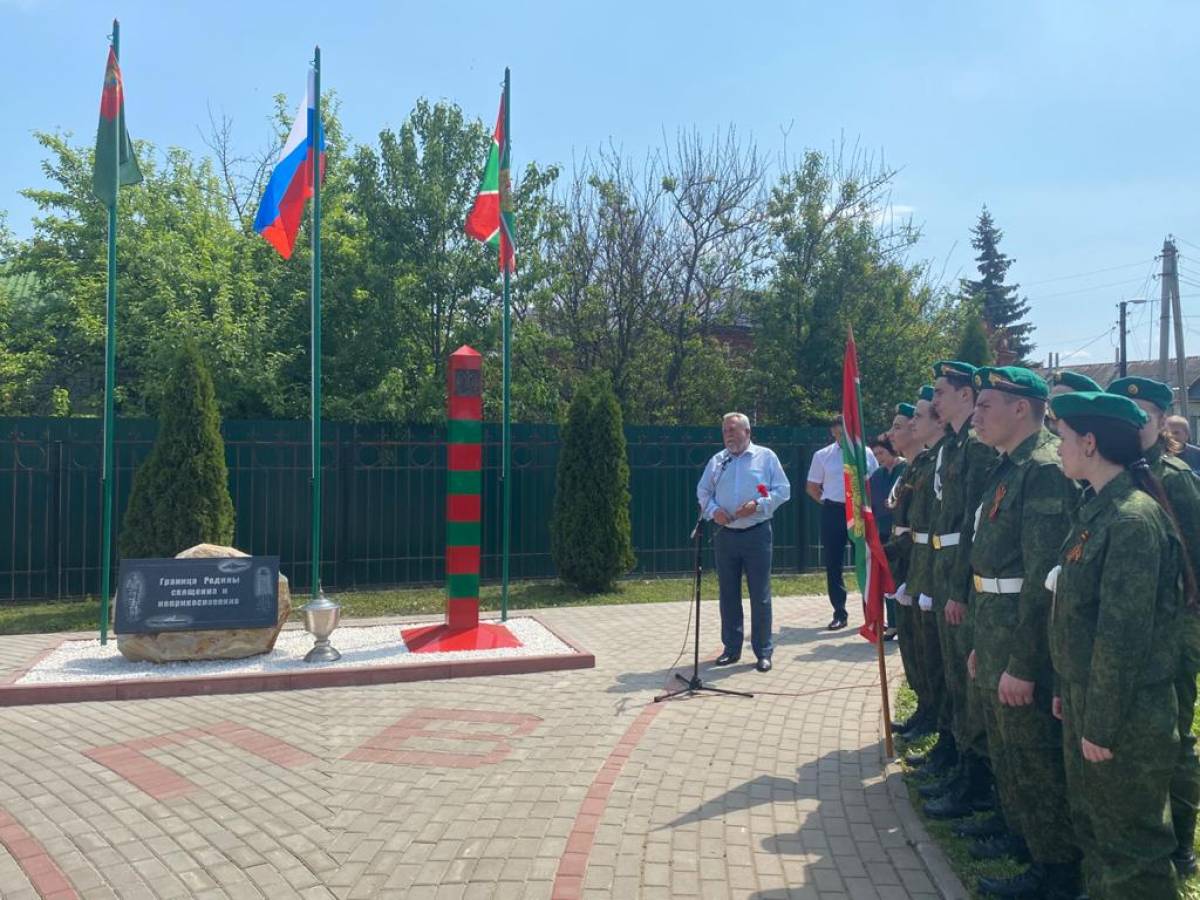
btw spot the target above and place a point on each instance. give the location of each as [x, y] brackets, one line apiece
[468, 383]
[191, 594]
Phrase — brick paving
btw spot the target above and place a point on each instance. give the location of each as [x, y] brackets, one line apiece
[564, 784]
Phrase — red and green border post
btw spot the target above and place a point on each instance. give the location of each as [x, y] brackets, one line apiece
[462, 629]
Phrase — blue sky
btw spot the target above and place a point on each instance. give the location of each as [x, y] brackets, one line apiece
[1074, 121]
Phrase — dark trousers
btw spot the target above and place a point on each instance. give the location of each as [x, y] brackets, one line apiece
[833, 542]
[745, 552]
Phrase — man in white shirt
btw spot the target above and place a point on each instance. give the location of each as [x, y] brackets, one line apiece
[827, 486]
[740, 490]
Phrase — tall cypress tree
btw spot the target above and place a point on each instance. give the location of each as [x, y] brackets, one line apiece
[180, 494]
[1003, 310]
[590, 532]
[973, 341]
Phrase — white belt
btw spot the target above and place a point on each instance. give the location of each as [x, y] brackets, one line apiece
[945, 540]
[900, 529]
[920, 537]
[998, 585]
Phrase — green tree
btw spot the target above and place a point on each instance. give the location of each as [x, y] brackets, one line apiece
[590, 530]
[841, 262]
[1003, 311]
[973, 344]
[180, 493]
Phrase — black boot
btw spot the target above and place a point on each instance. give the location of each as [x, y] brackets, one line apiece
[992, 826]
[941, 759]
[1008, 844]
[1064, 881]
[922, 725]
[974, 796]
[1029, 884]
[1184, 856]
[943, 785]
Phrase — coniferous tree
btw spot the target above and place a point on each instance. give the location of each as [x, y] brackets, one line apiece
[1003, 310]
[590, 531]
[180, 493]
[973, 344]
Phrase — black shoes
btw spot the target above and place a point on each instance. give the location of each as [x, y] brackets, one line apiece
[837, 623]
[971, 793]
[1001, 846]
[726, 659]
[1052, 881]
[764, 665]
[992, 826]
[1184, 861]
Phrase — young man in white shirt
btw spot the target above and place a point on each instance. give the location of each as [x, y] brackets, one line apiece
[827, 486]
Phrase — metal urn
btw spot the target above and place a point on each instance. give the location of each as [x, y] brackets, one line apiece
[321, 617]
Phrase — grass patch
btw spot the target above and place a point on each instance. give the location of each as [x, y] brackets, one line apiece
[967, 869]
[84, 614]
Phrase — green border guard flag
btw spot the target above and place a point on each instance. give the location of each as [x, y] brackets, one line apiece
[111, 135]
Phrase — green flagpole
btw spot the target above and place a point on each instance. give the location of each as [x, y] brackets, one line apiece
[316, 327]
[110, 366]
[507, 439]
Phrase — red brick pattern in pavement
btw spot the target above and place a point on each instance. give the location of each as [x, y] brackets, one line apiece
[389, 745]
[779, 796]
[43, 872]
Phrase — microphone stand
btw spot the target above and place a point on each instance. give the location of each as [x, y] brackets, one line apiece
[694, 685]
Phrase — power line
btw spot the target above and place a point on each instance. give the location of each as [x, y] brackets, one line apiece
[1095, 287]
[1084, 274]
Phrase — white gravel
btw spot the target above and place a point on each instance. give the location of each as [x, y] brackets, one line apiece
[374, 645]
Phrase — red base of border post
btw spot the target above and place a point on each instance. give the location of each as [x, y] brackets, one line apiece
[446, 639]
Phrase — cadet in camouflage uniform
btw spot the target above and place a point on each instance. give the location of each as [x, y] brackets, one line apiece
[1018, 529]
[928, 431]
[1183, 490]
[899, 551]
[1114, 641]
[1064, 382]
[960, 473]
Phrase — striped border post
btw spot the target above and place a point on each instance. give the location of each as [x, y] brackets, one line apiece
[464, 459]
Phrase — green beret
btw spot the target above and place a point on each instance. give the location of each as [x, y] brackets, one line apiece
[1144, 389]
[906, 409]
[926, 393]
[1011, 380]
[1099, 404]
[1074, 381]
[945, 367]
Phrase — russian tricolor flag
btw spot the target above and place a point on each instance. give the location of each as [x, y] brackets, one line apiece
[282, 206]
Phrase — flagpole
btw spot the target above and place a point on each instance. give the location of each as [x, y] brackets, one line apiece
[887, 711]
[506, 526]
[316, 326]
[110, 366]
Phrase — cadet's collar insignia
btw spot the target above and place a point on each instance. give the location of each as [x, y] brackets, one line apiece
[1076, 553]
[995, 510]
[1132, 389]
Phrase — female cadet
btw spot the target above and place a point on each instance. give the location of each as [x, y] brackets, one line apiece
[1183, 490]
[1115, 647]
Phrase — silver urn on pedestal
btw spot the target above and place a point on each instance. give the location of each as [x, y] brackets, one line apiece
[321, 617]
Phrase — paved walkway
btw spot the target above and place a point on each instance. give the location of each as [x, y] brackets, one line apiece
[562, 784]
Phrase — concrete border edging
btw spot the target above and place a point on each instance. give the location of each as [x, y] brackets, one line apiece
[926, 848]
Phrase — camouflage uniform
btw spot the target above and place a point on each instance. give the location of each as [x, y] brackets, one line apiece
[919, 580]
[960, 477]
[1115, 645]
[1183, 490]
[899, 552]
[1022, 520]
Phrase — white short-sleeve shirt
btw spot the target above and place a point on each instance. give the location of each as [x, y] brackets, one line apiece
[827, 471]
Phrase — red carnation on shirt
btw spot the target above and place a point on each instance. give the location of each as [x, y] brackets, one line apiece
[762, 490]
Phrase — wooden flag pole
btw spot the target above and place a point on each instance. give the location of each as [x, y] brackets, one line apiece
[888, 746]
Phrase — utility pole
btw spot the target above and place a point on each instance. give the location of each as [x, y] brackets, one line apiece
[1122, 359]
[1171, 281]
[1164, 318]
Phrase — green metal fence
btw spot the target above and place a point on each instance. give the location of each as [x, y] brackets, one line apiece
[384, 505]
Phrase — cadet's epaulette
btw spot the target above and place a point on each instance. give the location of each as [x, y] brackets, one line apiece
[1174, 462]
